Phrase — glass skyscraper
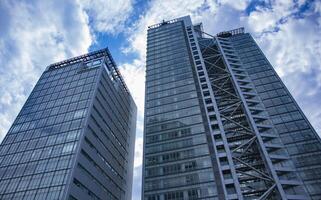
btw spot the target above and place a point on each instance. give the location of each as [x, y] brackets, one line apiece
[219, 122]
[74, 137]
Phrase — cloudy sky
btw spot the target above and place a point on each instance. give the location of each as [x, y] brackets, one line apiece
[35, 33]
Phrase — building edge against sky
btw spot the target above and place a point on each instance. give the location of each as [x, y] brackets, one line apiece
[74, 137]
[219, 122]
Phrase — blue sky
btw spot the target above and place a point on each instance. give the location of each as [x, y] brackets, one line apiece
[35, 33]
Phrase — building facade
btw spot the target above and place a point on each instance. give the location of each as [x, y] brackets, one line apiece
[74, 137]
[219, 122]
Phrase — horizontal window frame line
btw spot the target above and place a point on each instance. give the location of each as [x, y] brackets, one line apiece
[178, 60]
[151, 47]
[162, 87]
[169, 71]
[169, 76]
[37, 173]
[156, 124]
[173, 139]
[169, 130]
[163, 68]
[172, 175]
[180, 160]
[177, 87]
[173, 110]
[163, 33]
[167, 54]
[168, 82]
[177, 149]
[177, 187]
[32, 150]
[37, 189]
[193, 90]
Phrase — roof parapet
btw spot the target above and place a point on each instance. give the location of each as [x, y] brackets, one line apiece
[90, 56]
[231, 32]
[162, 23]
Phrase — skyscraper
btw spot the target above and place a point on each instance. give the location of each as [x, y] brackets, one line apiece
[74, 137]
[219, 122]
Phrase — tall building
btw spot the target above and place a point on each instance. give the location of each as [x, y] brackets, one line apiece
[219, 122]
[74, 137]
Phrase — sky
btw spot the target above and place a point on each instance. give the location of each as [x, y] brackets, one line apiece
[36, 33]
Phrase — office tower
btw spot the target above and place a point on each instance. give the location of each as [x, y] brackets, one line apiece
[219, 122]
[74, 137]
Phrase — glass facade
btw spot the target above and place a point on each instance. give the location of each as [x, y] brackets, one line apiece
[219, 123]
[43, 154]
[177, 162]
[296, 133]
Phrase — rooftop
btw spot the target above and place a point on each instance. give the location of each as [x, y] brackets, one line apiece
[187, 20]
[90, 56]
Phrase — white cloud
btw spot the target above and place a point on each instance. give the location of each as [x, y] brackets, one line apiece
[138, 154]
[266, 19]
[240, 5]
[108, 15]
[137, 183]
[158, 11]
[294, 51]
[294, 47]
[134, 75]
[262, 19]
[36, 33]
[6, 98]
[33, 36]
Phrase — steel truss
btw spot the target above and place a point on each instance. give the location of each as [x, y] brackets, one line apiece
[252, 160]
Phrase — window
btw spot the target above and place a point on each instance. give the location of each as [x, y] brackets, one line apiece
[190, 165]
[192, 194]
[46, 180]
[79, 113]
[73, 135]
[174, 196]
[92, 64]
[153, 197]
[68, 148]
[63, 162]
[58, 177]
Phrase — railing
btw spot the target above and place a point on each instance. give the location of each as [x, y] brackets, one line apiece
[231, 32]
[82, 58]
[163, 23]
[90, 56]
